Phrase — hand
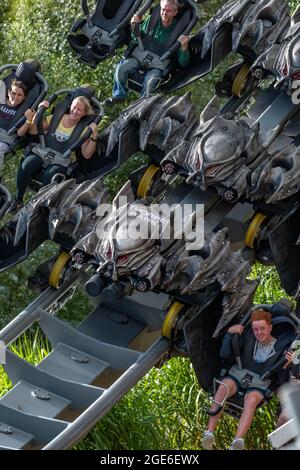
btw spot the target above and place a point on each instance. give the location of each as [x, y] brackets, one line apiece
[44, 103]
[236, 329]
[94, 128]
[289, 358]
[136, 19]
[184, 41]
[29, 114]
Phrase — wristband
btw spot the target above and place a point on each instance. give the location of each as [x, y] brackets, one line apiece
[93, 140]
[28, 121]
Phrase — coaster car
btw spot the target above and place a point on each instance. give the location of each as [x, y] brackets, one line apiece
[248, 374]
[160, 56]
[245, 27]
[28, 73]
[100, 33]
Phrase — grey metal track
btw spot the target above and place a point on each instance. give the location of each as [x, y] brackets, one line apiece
[52, 405]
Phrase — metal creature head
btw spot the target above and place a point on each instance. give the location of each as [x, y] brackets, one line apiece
[217, 150]
[287, 63]
[126, 249]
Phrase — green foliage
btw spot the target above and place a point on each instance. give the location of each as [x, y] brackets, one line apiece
[38, 29]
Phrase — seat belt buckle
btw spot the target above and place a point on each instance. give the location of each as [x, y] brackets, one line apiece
[247, 379]
[97, 38]
[51, 154]
[147, 60]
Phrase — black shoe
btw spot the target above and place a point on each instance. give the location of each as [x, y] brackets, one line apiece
[112, 100]
[15, 206]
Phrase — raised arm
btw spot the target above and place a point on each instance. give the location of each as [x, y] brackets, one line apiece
[226, 349]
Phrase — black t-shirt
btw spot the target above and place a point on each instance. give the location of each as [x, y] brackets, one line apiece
[7, 112]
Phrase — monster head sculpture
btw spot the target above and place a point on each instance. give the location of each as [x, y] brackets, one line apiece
[126, 244]
[287, 63]
[283, 60]
[218, 149]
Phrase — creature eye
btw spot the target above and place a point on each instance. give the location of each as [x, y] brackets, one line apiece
[122, 259]
[296, 75]
[225, 128]
[210, 170]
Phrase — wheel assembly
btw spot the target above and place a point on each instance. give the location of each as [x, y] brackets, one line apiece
[240, 80]
[147, 180]
[58, 269]
[171, 318]
[254, 228]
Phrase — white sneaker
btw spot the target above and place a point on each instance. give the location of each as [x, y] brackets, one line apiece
[237, 444]
[208, 440]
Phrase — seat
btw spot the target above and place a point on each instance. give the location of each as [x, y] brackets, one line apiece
[285, 329]
[28, 73]
[159, 56]
[48, 148]
[100, 33]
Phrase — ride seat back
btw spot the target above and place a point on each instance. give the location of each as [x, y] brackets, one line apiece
[26, 72]
[284, 330]
[50, 139]
[184, 24]
[109, 13]
[58, 113]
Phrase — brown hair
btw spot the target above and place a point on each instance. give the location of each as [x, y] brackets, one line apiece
[19, 84]
[261, 315]
[85, 101]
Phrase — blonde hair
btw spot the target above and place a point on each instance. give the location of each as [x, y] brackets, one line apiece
[87, 104]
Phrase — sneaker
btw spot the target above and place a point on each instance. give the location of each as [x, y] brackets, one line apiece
[113, 100]
[208, 440]
[15, 206]
[237, 444]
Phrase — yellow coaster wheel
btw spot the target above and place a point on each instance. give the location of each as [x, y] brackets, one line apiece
[254, 228]
[58, 269]
[240, 80]
[171, 318]
[147, 180]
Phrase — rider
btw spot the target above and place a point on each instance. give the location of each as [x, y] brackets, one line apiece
[259, 350]
[32, 163]
[159, 36]
[15, 96]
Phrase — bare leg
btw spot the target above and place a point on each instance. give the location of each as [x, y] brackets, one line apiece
[220, 395]
[251, 401]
